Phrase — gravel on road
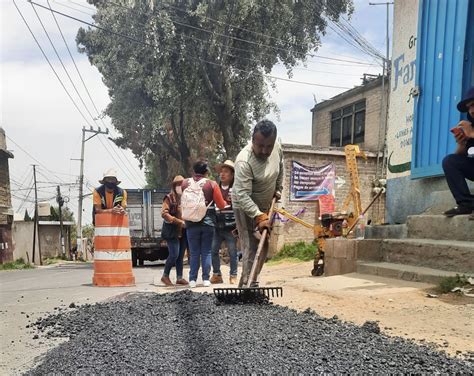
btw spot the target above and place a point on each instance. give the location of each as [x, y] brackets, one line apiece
[189, 333]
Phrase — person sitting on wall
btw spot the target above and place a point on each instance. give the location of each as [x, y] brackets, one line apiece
[109, 197]
[460, 166]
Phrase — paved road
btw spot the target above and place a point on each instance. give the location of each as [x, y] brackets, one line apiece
[401, 307]
[38, 291]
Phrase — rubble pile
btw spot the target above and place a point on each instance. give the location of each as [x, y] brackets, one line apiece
[188, 333]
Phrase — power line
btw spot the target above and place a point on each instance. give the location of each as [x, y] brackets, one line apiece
[205, 61]
[224, 23]
[62, 64]
[51, 66]
[34, 159]
[114, 147]
[346, 27]
[237, 38]
[111, 156]
[75, 65]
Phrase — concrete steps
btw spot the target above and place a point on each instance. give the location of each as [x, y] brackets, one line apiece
[404, 272]
[450, 255]
[427, 248]
[440, 227]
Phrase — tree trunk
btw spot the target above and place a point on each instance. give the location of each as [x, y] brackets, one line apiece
[164, 177]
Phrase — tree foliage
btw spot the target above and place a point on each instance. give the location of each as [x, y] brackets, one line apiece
[66, 213]
[190, 77]
[27, 217]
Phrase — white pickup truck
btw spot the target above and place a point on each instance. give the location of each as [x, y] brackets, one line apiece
[145, 222]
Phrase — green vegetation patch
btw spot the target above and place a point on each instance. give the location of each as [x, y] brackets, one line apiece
[16, 265]
[449, 283]
[297, 252]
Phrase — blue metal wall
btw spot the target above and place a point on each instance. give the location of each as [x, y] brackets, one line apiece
[442, 29]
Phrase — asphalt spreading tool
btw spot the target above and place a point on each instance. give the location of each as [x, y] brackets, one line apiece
[251, 293]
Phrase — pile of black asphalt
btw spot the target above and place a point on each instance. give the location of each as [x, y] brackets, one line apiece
[190, 333]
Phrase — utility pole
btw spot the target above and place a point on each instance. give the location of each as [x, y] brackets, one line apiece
[60, 202]
[81, 182]
[385, 72]
[35, 227]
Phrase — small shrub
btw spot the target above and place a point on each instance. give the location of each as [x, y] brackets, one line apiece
[449, 283]
[16, 265]
[300, 251]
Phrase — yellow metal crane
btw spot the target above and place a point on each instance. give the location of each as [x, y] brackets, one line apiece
[332, 225]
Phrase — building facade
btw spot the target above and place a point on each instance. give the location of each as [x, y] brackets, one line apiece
[288, 232]
[352, 117]
[6, 211]
[432, 66]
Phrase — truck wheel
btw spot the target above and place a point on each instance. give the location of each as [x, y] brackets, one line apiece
[134, 259]
[141, 262]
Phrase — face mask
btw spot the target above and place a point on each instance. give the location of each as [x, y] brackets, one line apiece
[178, 190]
[110, 185]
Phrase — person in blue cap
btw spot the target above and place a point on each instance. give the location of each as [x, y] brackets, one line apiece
[460, 166]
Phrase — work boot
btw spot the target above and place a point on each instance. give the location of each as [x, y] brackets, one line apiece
[233, 279]
[216, 278]
[182, 282]
[458, 210]
[167, 281]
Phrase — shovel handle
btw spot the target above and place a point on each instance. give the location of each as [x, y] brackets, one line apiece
[261, 243]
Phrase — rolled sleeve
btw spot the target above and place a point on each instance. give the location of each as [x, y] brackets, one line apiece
[279, 182]
[242, 190]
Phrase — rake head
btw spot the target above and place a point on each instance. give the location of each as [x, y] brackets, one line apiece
[247, 295]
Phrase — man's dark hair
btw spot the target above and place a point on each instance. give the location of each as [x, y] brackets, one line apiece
[266, 128]
[200, 167]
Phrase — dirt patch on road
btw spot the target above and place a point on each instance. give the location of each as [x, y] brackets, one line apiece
[401, 308]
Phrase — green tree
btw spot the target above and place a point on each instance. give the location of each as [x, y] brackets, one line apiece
[66, 213]
[193, 79]
[27, 217]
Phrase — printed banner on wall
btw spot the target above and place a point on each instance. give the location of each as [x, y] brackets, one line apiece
[309, 182]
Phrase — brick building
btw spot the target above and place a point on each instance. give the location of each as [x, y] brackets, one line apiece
[6, 211]
[290, 232]
[352, 117]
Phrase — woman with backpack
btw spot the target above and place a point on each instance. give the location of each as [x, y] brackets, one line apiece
[199, 199]
[174, 233]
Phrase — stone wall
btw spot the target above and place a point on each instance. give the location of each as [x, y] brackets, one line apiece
[291, 232]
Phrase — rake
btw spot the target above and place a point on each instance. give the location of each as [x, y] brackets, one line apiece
[249, 294]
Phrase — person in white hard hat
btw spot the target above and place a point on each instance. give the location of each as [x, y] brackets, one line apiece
[109, 197]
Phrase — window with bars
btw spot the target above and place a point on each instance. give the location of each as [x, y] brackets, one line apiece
[348, 124]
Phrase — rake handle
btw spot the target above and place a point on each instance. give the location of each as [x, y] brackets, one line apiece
[261, 244]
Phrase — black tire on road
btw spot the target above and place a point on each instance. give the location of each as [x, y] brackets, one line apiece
[141, 262]
[134, 258]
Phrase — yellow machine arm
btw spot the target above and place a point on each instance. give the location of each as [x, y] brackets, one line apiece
[352, 152]
[321, 233]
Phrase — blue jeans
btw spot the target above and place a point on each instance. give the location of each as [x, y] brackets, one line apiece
[219, 236]
[200, 243]
[176, 248]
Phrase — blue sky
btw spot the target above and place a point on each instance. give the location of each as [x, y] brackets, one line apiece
[37, 115]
